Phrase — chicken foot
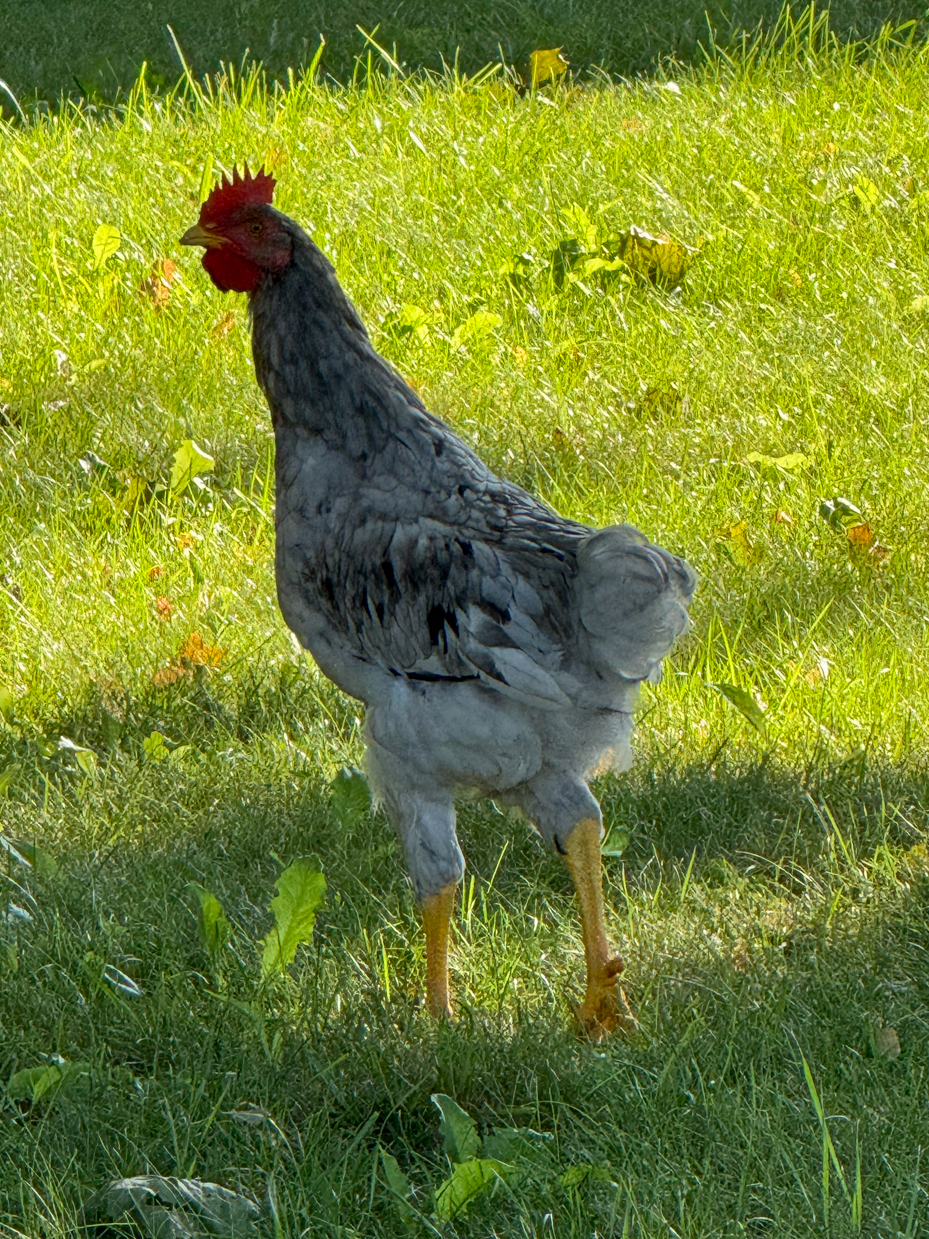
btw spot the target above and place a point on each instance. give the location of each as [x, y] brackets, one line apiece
[604, 1008]
[437, 919]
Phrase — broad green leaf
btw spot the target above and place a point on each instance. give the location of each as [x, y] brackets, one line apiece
[476, 328]
[7, 777]
[28, 854]
[839, 512]
[787, 464]
[867, 193]
[189, 461]
[546, 65]
[301, 888]
[398, 1184]
[412, 320]
[350, 796]
[745, 703]
[105, 244]
[168, 1208]
[211, 920]
[616, 841]
[574, 1176]
[584, 228]
[467, 1181]
[509, 1144]
[457, 1128]
[154, 747]
[85, 758]
[34, 1083]
[6, 704]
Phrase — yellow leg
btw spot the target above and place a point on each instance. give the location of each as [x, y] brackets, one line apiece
[604, 1007]
[437, 918]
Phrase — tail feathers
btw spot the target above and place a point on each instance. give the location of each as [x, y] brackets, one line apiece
[633, 600]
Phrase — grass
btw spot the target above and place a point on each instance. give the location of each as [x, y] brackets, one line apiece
[771, 902]
[87, 49]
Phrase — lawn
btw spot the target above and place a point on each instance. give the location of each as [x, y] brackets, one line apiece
[769, 873]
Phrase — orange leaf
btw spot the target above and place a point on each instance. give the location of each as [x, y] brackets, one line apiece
[859, 536]
[170, 674]
[163, 607]
[157, 285]
[196, 651]
[223, 325]
[156, 572]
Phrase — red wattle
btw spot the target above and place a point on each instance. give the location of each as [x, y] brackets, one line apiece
[230, 272]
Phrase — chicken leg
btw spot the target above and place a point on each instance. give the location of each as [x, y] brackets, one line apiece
[437, 919]
[604, 1008]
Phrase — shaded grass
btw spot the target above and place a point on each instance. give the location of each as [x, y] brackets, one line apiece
[84, 49]
[800, 927]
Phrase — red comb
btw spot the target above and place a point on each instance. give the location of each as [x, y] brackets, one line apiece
[245, 190]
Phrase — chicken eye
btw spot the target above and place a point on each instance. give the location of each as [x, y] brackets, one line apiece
[255, 228]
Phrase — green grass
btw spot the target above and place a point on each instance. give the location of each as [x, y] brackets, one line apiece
[772, 901]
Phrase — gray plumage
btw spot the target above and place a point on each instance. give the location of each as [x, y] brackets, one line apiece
[498, 647]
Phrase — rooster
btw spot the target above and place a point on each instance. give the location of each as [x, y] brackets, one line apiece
[497, 647]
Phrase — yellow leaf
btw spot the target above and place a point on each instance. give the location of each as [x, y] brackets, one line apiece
[737, 534]
[547, 65]
[867, 193]
[859, 537]
[659, 259]
[105, 244]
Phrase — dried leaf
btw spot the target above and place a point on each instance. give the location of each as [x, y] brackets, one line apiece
[163, 607]
[885, 1042]
[737, 535]
[546, 65]
[196, 652]
[781, 517]
[223, 325]
[659, 259]
[157, 284]
[121, 981]
[860, 537]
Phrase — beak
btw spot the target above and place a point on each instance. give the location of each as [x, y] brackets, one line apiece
[198, 235]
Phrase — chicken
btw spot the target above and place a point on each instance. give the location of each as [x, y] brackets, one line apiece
[498, 648]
